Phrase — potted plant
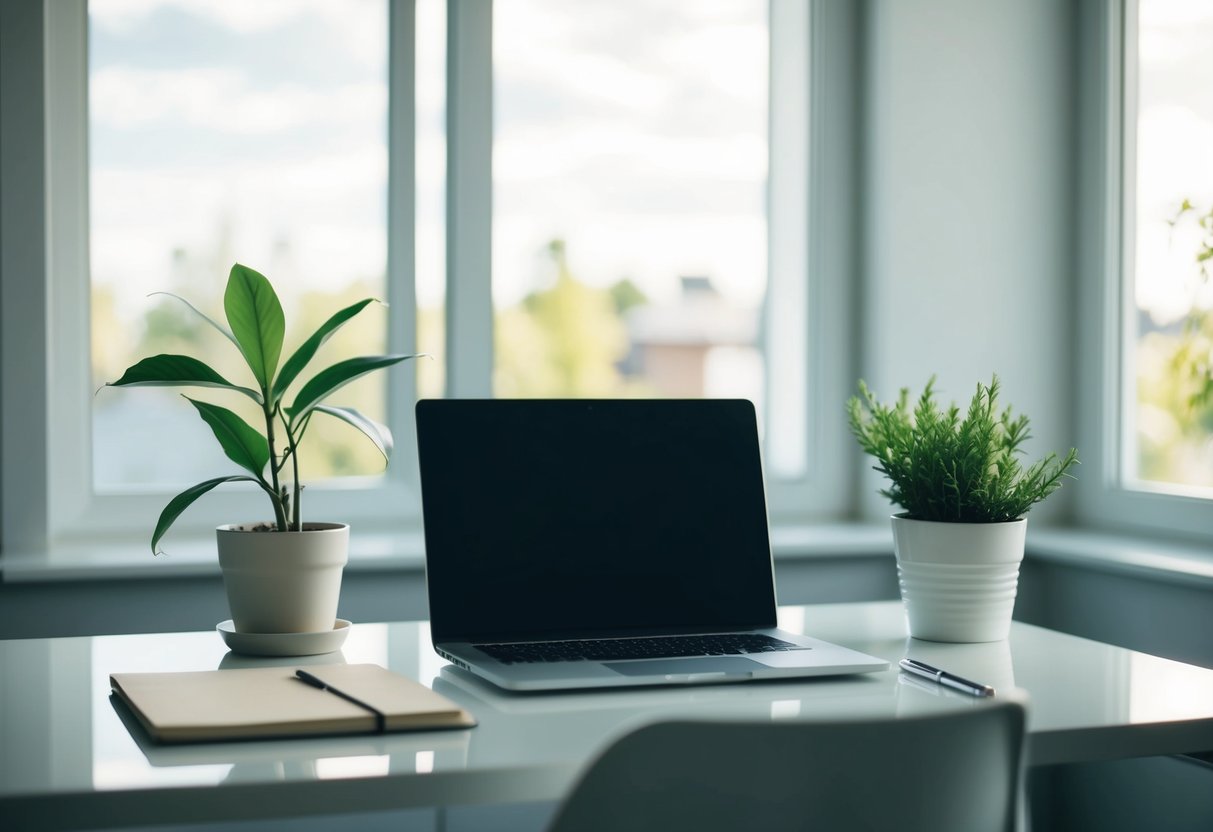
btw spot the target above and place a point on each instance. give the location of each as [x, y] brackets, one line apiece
[282, 575]
[964, 493]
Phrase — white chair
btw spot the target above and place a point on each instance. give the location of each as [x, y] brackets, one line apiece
[955, 771]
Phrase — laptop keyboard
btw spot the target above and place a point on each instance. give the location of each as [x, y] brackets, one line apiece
[613, 649]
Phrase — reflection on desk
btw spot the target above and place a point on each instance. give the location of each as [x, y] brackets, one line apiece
[65, 754]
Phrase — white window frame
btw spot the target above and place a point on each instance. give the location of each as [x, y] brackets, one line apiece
[46, 491]
[52, 433]
[1106, 237]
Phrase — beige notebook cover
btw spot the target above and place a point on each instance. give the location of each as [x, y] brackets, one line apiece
[264, 702]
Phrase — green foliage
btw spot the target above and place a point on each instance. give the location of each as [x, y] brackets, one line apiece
[1173, 365]
[626, 295]
[1192, 362]
[258, 327]
[951, 469]
[564, 340]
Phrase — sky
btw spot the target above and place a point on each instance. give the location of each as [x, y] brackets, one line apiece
[643, 146]
[262, 121]
[265, 124]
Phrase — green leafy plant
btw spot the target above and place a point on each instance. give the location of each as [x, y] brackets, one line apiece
[257, 329]
[952, 469]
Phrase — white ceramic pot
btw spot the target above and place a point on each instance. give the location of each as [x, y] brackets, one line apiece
[283, 582]
[958, 580]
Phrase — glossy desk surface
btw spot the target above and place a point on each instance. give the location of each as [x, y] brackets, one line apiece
[67, 756]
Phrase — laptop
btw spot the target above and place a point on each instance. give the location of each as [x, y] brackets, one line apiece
[604, 543]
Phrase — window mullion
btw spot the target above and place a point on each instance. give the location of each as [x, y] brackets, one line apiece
[1123, 234]
[469, 211]
[71, 453]
[786, 338]
[401, 224]
[813, 225]
[834, 88]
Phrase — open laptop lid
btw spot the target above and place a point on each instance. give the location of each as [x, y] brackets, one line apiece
[549, 519]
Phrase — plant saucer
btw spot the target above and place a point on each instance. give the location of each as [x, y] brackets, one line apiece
[284, 644]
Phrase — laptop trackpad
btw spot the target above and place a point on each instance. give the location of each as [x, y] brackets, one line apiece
[732, 665]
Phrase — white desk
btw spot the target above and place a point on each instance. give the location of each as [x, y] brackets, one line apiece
[66, 757]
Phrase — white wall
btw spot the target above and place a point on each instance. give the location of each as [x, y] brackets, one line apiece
[968, 219]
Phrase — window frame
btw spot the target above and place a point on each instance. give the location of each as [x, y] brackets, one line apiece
[46, 494]
[1105, 156]
[33, 519]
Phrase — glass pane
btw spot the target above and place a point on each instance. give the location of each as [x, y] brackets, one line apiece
[225, 132]
[629, 228]
[1170, 433]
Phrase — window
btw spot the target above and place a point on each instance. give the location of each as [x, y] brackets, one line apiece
[215, 135]
[182, 137]
[1169, 337]
[1146, 227]
[698, 169]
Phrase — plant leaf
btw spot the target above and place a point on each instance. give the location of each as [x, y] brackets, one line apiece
[167, 370]
[381, 435]
[222, 329]
[307, 350]
[337, 376]
[183, 501]
[242, 443]
[257, 322]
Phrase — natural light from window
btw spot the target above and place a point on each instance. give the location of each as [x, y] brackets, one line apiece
[1169, 424]
[629, 214]
[221, 132]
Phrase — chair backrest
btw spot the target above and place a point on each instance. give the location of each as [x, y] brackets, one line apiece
[941, 772]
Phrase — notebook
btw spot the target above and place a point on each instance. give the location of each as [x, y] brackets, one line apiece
[266, 702]
[604, 543]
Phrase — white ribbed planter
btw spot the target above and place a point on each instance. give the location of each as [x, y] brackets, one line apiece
[958, 580]
[283, 582]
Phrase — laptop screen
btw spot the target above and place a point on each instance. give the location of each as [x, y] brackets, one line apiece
[562, 518]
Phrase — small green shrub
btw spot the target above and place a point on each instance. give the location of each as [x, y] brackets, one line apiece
[949, 469]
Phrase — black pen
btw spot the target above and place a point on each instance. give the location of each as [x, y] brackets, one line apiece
[942, 677]
[380, 718]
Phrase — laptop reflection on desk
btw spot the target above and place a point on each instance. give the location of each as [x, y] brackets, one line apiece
[605, 543]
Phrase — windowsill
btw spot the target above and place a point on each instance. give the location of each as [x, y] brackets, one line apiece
[186, 558]
[369, 552]
[1154, 559]
[1158, 559]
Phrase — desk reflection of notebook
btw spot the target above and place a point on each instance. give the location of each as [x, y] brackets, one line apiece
[578, 543]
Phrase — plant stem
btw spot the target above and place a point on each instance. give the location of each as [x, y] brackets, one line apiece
[276, 497]
[293, 452]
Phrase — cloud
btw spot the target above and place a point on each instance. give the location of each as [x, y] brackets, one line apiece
[225, 101]
[329, 210]
[360, 25]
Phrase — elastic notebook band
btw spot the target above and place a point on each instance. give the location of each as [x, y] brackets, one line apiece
[380, 716]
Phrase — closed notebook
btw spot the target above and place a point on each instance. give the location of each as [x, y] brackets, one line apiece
[266, 702]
